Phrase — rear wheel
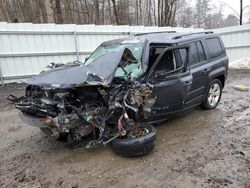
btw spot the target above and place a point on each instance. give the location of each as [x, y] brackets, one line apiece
[142, 144]
[213, 95]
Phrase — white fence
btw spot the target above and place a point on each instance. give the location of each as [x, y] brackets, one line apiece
[236, 40]
[27, 48]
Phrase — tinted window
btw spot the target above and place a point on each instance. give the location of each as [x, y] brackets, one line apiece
[214, 47]
[200, 51]
[194, 55]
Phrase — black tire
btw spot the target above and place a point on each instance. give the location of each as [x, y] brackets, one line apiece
[135, 147]
[207, 104]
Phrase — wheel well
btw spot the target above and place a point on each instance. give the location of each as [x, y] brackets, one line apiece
[222, 79]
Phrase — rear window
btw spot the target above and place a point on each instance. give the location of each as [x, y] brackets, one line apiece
[214, 47]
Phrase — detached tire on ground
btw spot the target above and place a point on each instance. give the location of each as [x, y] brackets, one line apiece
[213, 95]
[132, 147]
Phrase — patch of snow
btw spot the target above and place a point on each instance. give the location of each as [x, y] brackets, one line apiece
[240, 64]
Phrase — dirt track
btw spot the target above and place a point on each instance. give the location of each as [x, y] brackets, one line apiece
[201, 149]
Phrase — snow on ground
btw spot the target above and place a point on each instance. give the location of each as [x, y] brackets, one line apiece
[240, 64]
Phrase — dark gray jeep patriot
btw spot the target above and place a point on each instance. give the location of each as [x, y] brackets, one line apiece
[124, 87]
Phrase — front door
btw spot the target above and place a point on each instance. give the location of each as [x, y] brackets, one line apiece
[172, 80]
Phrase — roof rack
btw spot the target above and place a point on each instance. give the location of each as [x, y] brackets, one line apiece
[139, 34]
[205, 32]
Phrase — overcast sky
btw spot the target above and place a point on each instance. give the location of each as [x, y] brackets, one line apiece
[235, 4]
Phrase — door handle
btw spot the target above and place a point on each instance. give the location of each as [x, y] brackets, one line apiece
[205, 70]
[188, 83]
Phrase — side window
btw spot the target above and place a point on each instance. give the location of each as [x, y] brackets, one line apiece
[201, 51]
[154, 52]
[197, 53]
[172, 61]
[167, 62]
[214, 47]
[194, 54]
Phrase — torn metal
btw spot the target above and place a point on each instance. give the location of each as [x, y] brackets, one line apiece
[80, 74]
[94, 102]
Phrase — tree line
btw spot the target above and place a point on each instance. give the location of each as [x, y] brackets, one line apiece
[116, 12]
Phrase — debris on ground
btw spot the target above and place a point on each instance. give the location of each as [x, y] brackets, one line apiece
[241, 88]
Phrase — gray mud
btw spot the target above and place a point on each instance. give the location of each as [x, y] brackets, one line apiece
[201, 149]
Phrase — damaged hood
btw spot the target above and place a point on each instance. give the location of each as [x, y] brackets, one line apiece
[99, 72]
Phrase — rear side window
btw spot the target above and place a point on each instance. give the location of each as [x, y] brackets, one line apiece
[201, 51]
[197, 53]
[214, 47]
[194, 56]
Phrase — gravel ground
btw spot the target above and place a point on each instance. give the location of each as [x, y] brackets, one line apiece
[201, 149]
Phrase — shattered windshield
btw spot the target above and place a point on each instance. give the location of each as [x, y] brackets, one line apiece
[134, 69]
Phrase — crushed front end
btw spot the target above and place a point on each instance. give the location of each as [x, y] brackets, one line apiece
[88, 104]
[86, 114]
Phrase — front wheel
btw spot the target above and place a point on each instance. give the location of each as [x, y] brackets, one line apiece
[213, 95]
[140, 144]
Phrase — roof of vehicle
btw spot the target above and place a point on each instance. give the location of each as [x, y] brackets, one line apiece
[169, 37]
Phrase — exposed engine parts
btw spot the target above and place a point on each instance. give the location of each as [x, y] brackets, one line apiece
[95, 102]
[97, 112]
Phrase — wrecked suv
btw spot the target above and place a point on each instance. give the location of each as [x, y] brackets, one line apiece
[124, 87]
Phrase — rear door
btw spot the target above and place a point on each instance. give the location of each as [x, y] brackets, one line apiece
[199, 70]
[172, 80]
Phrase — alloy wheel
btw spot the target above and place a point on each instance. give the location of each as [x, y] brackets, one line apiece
[214, 94]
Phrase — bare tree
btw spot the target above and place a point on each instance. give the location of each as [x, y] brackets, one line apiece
[119, 12]
[43, 10]
[230, 20]
[185, 18]
[109, 12]
[202, 12]
[5, 15]
[97, 15]
[58, 12]
[116, 12]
